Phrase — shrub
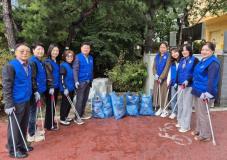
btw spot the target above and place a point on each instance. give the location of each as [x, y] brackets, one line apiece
[129, 76]
[4, 58]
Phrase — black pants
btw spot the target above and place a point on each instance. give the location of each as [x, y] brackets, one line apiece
[49, 116]
[22, 114]
[82, 94]
[65, 106]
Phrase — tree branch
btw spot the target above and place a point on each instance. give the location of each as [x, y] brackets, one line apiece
[77, 24]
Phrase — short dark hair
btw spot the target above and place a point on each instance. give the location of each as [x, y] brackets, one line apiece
[66, 52]
[51, 47]
[20, 44]
[85, 43]
[188, 48]
[210, 45]
[36, 44]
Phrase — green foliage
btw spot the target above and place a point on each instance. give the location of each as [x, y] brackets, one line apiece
[4, 58]
[197, 46]
[129, 76]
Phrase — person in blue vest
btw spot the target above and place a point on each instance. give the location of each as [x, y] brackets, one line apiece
[53, 83]
[39, 88]
[172, 79]
[83, 76]
[17, 91]
[206, 77]
[67, 86]
[161, 66]
[184, 79]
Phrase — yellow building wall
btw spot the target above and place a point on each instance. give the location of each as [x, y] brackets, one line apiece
[214, 31]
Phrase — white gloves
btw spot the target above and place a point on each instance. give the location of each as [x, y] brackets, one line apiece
[9, 111]
[37, 96]
[77, 85]
[185, 83]
[206, 96]
[51, 91]
[175, 86]
[156, 77]
[66, 92]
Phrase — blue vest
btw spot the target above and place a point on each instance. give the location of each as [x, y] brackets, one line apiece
[200, 76]
[68, 78]
[22, 86]
[40, 74]
[55, 72]
[173, 70]
[160, 62]
[185, 69]
[85, 69]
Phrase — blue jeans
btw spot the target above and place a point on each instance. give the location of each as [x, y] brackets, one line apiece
[32, 117]
[174, 101]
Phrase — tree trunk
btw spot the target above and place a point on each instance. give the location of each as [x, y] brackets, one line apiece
[8, 22]
[77, 24]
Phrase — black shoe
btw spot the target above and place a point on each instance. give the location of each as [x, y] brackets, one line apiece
[19, 154]
[55, 128]
[24, 150]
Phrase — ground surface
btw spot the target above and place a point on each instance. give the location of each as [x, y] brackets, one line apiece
[133, 138]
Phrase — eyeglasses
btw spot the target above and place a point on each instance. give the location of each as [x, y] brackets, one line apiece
[23, 51]
[69, 56]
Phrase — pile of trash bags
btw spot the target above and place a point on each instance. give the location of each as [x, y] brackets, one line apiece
[108, 105]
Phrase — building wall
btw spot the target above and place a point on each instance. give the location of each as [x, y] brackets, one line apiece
[214, 31]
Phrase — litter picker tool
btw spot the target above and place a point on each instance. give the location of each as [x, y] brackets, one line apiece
[211, 127]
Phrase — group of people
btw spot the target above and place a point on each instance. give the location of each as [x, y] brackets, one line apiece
[29, 81]
[191, 83]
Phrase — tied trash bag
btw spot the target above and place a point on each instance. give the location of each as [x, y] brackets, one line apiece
[118, 105]
[107, 106]
[97, 108]
[132, 105]
[146, 108]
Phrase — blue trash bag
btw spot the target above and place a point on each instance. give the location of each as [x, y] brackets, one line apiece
[146, 108]
[97, 107]
[118, 105]
[132, 104]
[107, 106]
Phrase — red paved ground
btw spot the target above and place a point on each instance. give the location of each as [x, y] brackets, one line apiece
[130, 138]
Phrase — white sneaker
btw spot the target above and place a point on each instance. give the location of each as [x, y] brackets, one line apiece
[40, 132]
[68, 119]
[164, 114]
[30, 138]
[158, 112]
[66, 123]
[178, 125]
[85, 117]
[79, 122]
[172, 116]
[39, 138]
[183, 130]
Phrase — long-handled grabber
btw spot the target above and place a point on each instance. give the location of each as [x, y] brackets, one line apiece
[12, 134]
[211, 127]
[172, 99]
[53, 109]
[165, 113]
[160, 99]
[75, 111]
[22, 136]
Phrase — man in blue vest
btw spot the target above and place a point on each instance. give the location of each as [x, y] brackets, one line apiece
[17, 91]
[39, 88]
[83, 76]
